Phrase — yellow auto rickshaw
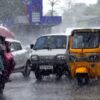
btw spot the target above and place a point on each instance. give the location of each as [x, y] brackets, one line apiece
[84, 54]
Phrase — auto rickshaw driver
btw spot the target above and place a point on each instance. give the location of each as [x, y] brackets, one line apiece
[84, 54]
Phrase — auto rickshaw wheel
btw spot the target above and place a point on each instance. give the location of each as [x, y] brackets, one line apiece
[82, 80]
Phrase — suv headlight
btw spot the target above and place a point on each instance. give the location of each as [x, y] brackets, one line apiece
[61, 57]
[34, 57]
[72, 58]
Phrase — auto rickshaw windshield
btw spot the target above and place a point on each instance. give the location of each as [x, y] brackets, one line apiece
[83, 40]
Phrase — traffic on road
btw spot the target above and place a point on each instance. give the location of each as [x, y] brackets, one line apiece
[49, 49]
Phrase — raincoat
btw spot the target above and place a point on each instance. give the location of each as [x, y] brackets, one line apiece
[9, 63]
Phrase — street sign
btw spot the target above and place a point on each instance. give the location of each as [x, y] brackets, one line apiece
[35, 17]
[27, 1]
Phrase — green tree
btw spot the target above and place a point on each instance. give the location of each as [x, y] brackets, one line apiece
[10, 8]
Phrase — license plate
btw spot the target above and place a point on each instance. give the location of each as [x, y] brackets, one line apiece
[46, 67]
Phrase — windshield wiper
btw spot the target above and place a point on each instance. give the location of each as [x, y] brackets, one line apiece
[42, 48]
[46, 47]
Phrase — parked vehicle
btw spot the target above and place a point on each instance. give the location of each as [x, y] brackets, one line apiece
[20, 57]
[48, 55]
[84, 54]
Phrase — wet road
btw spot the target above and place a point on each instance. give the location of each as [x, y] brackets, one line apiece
[49, 89]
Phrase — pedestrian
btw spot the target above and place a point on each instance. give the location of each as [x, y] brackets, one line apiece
[2, 66]
[2, 50]
[10, 63]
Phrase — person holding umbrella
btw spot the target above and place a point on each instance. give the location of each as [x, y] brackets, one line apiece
[2, 64]
[9, 61]
[6, 59]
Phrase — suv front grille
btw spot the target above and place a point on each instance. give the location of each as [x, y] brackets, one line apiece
[46, 58]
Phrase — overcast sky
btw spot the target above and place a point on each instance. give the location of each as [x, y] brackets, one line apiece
[62, 5]
[86, 1]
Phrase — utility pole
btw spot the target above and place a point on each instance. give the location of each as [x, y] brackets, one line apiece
[69, 4]
[53, 3]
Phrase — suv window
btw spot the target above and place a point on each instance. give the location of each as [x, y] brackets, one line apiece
[15, 46]
[52, 42]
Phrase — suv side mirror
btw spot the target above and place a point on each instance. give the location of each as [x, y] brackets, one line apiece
[12, 49]
[31, 46]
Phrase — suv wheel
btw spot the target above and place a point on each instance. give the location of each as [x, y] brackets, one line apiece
[27, 70]
[38, 75]
[58, 74]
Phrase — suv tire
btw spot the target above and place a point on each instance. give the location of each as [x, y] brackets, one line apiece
[27, 70]
[38, 75]
[58, 74]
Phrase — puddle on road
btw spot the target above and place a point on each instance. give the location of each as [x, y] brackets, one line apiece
[50, 89]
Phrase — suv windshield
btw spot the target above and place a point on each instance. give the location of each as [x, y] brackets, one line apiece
[51, 42]
[85, 40]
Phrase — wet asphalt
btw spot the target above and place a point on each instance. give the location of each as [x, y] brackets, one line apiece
[21, 88]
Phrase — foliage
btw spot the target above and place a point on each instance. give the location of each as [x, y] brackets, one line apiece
[10, 9]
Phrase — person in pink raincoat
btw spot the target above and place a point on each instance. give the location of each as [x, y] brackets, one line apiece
[9, 61]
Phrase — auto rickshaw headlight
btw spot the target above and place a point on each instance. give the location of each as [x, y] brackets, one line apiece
[94, 58]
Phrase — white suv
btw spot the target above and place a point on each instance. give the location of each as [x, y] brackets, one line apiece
[20, 56]
[48, 55]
